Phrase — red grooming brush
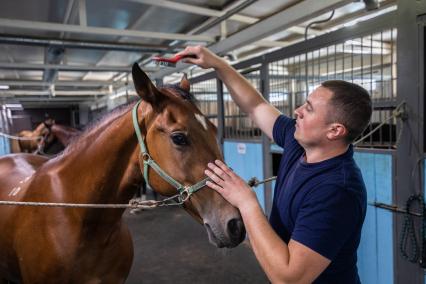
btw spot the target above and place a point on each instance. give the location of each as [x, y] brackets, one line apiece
[171, 62]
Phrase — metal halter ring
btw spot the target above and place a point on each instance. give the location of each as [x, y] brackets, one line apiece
[184, 195]
[146, 157]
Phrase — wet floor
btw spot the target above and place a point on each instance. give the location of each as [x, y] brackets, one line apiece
[171, 247]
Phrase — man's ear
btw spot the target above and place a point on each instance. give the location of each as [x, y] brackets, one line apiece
[337, 131]
[145, 88]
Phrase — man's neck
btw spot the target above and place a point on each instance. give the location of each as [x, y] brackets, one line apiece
[319, 154]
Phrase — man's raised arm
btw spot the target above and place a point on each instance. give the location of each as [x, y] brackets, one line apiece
[242, 92]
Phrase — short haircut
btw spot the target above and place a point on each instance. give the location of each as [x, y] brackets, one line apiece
[351, 106]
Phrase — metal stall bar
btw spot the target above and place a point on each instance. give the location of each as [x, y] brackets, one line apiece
[410, 153]
[266, 142]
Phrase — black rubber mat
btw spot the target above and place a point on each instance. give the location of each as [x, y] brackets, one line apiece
[171, 247]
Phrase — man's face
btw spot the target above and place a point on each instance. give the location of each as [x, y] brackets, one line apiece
[312, 123]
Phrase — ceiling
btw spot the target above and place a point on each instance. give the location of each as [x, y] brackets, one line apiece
[67, 52]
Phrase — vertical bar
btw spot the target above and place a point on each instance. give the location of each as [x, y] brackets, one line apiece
[328, 59]
[391, 73]
[371, 64]
[352, 62]
[382, 83]
[266, 142]
[82, 13]
[343, 59]
[335, 62]
[319, 68]
[220, 114]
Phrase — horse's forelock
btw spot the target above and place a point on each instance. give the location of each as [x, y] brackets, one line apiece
[176, 90]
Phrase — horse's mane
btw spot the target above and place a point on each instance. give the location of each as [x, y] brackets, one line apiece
[184, 94]
[112, 115]
[103, 120]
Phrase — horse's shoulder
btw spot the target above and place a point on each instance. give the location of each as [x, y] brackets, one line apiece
[22, 163]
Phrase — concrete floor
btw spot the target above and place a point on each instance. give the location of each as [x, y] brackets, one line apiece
[171, 247]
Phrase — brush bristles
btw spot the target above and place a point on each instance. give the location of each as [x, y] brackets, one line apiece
[165, 64]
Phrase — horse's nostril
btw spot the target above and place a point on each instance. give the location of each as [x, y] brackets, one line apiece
[236, 229]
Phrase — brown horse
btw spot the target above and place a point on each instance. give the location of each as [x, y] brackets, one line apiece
[57, 133]
[33, 139]
[64, 134]
[82, 245]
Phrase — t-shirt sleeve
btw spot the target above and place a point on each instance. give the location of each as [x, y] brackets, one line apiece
[283, 130]
[327, 220]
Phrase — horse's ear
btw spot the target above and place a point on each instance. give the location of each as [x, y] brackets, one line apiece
[144, 87]
[184, 83]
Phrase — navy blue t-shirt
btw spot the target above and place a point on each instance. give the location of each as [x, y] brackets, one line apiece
[321, 205]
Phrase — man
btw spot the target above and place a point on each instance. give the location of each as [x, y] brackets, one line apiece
[320, 198]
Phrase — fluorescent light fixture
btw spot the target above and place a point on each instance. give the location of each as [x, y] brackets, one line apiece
[14, 106]
[121, 94]
[4, 87]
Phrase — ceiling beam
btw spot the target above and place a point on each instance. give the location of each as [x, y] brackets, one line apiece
[195, 10]
[48, 93]
[67, 16]
[34, 41]
[133, 26]
[358, 14]
[271, 43]
[57, 83]
[45, 26]
[82, 16]
[214, 13]
[283, 20]
[63, 67]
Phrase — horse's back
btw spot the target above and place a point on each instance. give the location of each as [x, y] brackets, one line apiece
[16, 167]
[15, 171]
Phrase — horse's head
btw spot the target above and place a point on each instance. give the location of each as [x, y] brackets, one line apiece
[45, 132]
[182, 141]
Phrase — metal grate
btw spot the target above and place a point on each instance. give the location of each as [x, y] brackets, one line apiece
[237, 124]
[206, 94]
[369, 61]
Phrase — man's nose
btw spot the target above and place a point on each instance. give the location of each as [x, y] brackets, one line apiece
[297, 112]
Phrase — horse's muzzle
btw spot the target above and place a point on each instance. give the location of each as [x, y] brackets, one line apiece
[232, 236]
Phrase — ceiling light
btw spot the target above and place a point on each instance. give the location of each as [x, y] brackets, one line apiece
[14, 106]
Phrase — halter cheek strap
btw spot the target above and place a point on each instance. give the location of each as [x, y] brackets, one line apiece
[184, 192]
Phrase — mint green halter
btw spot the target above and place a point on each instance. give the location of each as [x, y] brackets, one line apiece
[184, 191]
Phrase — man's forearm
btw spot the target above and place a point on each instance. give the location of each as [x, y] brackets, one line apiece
[272, 253]
[242, 92]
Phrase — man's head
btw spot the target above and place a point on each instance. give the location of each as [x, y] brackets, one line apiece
[335, 111]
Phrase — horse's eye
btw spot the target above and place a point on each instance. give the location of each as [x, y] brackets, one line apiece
[179, 139]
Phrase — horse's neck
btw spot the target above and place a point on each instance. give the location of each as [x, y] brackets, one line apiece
[63, 133]
[104, 163]
[38, 130]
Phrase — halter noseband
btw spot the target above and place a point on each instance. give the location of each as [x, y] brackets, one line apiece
[184, 191]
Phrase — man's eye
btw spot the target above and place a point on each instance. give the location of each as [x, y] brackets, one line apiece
[179, 139]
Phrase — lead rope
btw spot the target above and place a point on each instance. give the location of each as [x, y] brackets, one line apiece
[13, 137]
[135, 203]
